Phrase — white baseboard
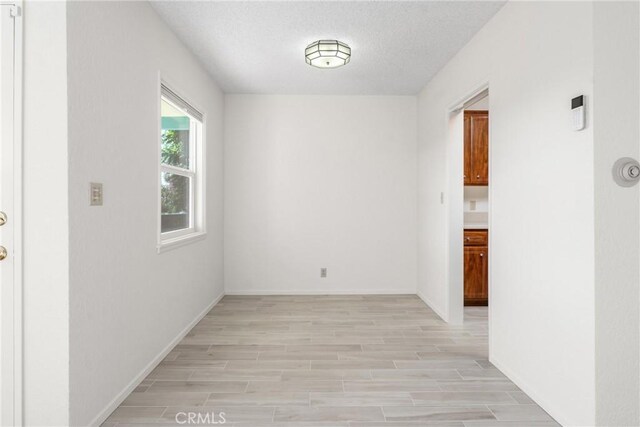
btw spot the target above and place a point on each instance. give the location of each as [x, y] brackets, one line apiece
[104, 414]
[532, 393]
[432, 306]
[340, 292]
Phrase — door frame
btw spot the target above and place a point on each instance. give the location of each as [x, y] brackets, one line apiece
[455, 217]
[12, 396]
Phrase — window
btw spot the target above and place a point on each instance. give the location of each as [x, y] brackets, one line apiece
[181, 195]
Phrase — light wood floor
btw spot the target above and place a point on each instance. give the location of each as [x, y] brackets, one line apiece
[326, 361]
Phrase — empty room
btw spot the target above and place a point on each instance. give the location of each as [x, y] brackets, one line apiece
[319, 213]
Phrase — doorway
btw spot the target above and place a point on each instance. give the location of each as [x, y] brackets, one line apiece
[10, 214]
[469, 201]
[476, 203]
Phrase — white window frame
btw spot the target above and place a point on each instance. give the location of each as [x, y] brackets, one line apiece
[196, 173]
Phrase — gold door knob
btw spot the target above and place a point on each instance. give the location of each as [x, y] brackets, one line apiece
[3, 253]
[3, 218]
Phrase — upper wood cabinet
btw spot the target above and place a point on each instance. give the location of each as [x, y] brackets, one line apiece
[476, 148]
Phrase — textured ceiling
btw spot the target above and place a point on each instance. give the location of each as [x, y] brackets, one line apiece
[258, 47]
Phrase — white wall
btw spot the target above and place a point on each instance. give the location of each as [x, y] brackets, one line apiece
[541, 191]
[320, 181]
[45, 209]
[616, 109]
[127, 302]
[481, 104]
[478, 194]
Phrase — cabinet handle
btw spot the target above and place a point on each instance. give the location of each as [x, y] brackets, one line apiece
[478, 176]
[481, 255]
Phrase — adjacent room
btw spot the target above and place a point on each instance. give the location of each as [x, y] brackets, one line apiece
[320, 213]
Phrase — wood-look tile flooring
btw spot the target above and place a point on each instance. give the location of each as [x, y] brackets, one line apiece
[324, 361]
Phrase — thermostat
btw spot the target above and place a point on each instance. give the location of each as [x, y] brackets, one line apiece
[578, 112]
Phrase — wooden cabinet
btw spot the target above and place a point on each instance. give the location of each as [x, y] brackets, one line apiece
[476, 148]
[476, 267]
[476, 238]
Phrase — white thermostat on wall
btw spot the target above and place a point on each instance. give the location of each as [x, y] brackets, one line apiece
[578, 112]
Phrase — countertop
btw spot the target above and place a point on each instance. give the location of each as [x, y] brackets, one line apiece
[476, 226]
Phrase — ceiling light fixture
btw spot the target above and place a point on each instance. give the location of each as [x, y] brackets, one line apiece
[327, 54]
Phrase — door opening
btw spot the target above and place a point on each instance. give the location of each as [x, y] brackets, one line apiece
[468, 210]
[476, 203]
[476, 254]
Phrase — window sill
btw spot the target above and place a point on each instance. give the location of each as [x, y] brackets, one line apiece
[176, 242]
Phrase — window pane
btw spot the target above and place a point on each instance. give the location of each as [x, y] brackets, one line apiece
[175, 195]
[175, 136]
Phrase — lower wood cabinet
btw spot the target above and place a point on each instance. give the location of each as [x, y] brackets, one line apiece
[476, 267]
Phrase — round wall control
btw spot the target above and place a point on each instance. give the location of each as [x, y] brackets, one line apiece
[626, 172]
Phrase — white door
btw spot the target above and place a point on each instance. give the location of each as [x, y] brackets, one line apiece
[10, 251]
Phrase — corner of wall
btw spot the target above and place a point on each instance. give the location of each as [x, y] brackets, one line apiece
[442, 313]
[135, 382]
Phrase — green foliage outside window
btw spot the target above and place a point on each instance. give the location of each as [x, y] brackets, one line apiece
[173, 152]
[175, 188]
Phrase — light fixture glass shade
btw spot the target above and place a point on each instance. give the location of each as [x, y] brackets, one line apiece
[327, 54]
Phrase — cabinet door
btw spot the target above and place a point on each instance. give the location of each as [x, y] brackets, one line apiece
[467, 150]
[480, 149]
[476, 275]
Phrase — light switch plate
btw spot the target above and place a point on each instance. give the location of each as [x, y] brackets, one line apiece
[95, 194]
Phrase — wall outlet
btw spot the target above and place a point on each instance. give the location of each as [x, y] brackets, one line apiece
[472, 205]
[95, 194]
[323, 272]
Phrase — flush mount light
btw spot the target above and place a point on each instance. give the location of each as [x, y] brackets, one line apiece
[327, 54]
